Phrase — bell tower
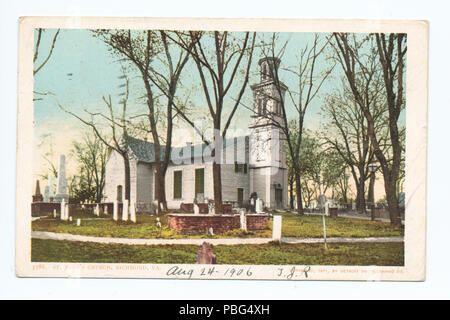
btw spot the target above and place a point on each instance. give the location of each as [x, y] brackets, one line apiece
[268, 173]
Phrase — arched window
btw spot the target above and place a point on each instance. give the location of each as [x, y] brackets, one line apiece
[265, 106]
[119, 193]
[264, 71]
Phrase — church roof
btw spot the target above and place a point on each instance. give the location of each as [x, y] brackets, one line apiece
[144, 151]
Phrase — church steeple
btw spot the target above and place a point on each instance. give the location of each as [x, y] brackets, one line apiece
[268, 93]
[269, 68]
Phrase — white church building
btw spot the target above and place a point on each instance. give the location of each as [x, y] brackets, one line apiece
[252, 163]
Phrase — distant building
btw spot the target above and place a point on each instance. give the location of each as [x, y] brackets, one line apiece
[253, 163]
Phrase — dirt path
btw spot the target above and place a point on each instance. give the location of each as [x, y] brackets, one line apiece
[228, 241]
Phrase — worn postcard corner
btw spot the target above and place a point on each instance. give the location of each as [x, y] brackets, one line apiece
[257, 149]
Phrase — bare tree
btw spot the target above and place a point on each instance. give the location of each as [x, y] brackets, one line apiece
[218, 71]
[348, 134]
[91, 154]
[143, 49]
[119, 128]
[390, 50]
[38, 65]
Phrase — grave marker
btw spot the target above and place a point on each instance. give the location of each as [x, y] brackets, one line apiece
[276, 229]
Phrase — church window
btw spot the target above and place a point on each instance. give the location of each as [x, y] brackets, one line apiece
[199, 181]
[177, 184]
[119, 193]
[265, 106]
[240, 196]
[240, 167]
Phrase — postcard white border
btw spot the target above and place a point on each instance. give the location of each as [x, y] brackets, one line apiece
[416, 149]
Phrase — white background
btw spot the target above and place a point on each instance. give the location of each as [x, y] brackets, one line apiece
[438, 214]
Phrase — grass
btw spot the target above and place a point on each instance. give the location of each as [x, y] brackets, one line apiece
[380, 254]
[145, 228]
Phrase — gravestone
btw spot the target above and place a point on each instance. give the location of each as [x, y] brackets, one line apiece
[321, 200]
[62, 209]
[253, 198]
[243, 220]
[61, 190]
[66, 212]
[196, 208]
[259, 206]
[211, 208]
[158, 223]
[205, 255]
[51, 193]
[133, 211]
[116, 210]
[125, 210]
[276, 228]
[47, 194]
[37, 195]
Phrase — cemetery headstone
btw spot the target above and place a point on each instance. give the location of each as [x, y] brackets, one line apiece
[321, 200]
[47, 194]
[158, 223]
[243, 220]
[116, 210]
[196, 208]
[259, 206]
[61, 190]
[37, 195]
[205, 255]
[133, 211]
[62, 209]
[125, 210]
[51, 193]
[276, 229]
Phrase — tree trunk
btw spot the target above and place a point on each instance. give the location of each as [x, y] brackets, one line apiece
[217, 182]
[126, 163]
[371, 196]
[360, 197]
[160, 189]
[298, 192]
[291, 195]
[392, 200]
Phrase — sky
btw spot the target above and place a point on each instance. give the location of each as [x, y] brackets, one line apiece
[81, 71]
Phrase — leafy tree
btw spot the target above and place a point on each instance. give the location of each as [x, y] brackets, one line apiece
[362, 60]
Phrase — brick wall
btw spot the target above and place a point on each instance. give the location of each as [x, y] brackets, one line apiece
[257, 221]
[40, 209]
[189, 223]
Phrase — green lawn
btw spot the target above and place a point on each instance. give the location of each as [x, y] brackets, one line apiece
[380, 254]
[292, 226]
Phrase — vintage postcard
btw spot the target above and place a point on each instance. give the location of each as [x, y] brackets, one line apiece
[222, 148]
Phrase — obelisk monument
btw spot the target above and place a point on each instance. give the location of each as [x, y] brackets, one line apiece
[61, 189]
